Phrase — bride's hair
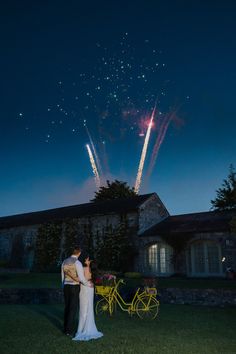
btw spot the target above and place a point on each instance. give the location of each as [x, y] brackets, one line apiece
[93, 269]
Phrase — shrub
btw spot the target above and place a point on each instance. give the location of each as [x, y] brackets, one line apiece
[132, 275]
[4, 263]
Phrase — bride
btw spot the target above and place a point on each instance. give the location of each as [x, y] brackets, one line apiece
[87, 328]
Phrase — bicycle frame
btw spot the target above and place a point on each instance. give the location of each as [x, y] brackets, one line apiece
[125, 306]
[116, 298]
[144, 304]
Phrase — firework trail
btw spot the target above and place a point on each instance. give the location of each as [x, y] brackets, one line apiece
[160, 137]
[94, 150]
[143, 155]
[102, 150]
[94, 167]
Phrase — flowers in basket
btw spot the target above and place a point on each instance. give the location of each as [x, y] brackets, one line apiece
[106, 279]
[150, 285]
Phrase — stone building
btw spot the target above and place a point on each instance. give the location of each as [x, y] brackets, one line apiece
[198, 244]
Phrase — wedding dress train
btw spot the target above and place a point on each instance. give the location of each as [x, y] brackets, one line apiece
[87, 328]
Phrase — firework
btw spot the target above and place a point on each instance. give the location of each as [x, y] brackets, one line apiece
[94, 167]
[99, 168]
[143, 155]
[160, 137]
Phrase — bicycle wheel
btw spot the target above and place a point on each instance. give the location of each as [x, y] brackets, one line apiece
[103, 308]
[147, 307]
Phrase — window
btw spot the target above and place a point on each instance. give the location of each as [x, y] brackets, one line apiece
[205, 258]
[158, 259]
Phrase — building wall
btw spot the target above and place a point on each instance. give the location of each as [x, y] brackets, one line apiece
[182, 263]
[151, 212]
[17, 244]
[226, 242]
[142, 245]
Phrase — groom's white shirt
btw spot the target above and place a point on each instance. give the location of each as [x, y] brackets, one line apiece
[80, 273]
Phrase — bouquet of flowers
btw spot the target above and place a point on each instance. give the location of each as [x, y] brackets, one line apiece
[106, 280]
[150, 282]
[104, 284]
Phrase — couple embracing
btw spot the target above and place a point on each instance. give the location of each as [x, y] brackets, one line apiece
[78, 288]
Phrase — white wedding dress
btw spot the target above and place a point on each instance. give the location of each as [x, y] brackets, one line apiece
[87, 328]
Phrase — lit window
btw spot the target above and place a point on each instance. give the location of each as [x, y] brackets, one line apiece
[158, 259]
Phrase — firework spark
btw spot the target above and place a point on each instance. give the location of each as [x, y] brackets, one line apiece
[143, 155]
[94, 167]
[99, 168]
[160, 137]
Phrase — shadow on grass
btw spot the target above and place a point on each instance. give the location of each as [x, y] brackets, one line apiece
[52, 313]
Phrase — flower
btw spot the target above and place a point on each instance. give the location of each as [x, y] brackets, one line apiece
[106, 280]
[98, 281]
[150, 282]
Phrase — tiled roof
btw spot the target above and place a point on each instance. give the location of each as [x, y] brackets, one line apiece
[112, 206]
[195, 222]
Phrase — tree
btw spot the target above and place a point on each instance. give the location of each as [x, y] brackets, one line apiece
[70, 237]
[115, 250]
[226, 195]
[233, 224]
[114, 190]
[17, 252]
[48, 244]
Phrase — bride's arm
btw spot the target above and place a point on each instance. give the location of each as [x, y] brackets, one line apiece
[87, 273]
[80, 272]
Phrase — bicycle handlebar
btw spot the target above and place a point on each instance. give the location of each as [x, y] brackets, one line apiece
[120, 281]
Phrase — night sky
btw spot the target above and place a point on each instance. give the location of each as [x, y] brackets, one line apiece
[74, 71]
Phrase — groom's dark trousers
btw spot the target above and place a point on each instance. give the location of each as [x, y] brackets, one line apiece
[71, 299]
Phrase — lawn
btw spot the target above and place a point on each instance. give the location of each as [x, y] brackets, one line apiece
[178, 329]
[30, 280]
[52, 280]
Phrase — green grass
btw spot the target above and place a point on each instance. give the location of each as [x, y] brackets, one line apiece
[30, 280]
[52, 280]
[36, 329]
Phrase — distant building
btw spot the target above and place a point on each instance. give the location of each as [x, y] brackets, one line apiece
[198, 244]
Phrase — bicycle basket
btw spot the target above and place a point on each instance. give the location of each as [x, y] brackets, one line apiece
[151, 291]
[103, 290]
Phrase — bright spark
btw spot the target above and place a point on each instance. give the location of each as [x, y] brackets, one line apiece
[94, 167]
[143, 155]
[93, 149]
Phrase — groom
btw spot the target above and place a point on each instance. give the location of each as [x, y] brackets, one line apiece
[72, 274]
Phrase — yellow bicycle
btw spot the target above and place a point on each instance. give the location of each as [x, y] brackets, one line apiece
[144, 303]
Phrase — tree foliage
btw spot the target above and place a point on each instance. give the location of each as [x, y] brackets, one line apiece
[114, 250]
[56, 241]
[114, 190]
[226, 195]
[70, 237]
[233, 224]
[179, 243]
[17, 252]
[48, 247]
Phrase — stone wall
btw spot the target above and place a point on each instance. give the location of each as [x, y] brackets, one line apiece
[17, 245]
[205, 297]
[30, 296]
[226, 258]
[151, 212]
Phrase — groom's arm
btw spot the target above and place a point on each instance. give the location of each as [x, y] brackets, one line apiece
[80, 273]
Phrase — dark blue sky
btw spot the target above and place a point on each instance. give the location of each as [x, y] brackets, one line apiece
[106, 63]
